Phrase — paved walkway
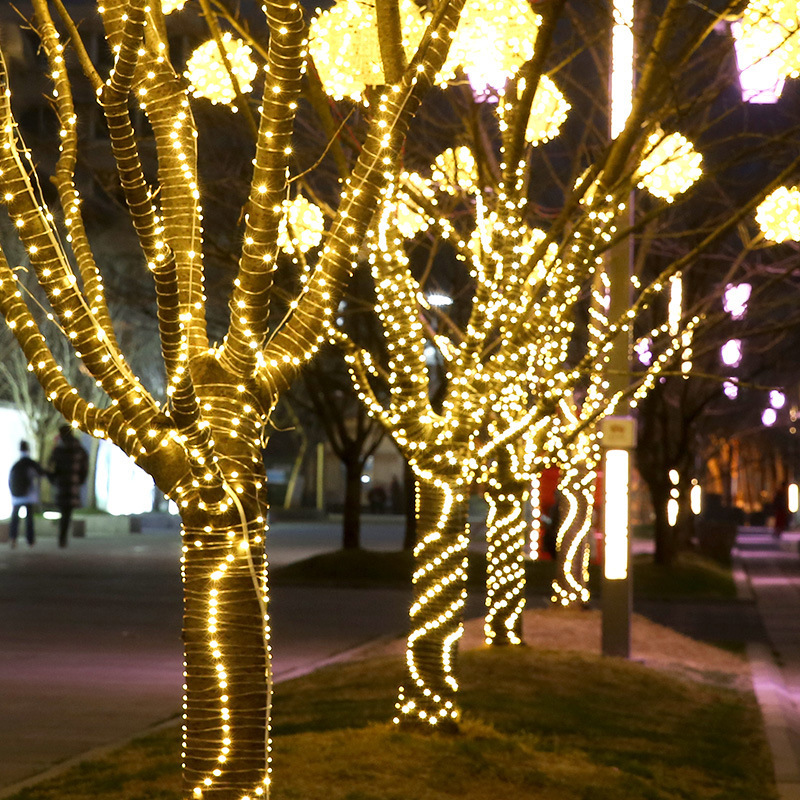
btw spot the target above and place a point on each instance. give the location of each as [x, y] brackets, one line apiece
[90, 637]
[769, 571]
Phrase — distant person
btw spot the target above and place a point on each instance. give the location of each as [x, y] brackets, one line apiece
[68, 468]
[23, 482]
[377, 499]
[551, 520]
[396, 495]
[780, 508]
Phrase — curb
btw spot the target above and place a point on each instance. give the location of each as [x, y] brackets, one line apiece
[778, 710]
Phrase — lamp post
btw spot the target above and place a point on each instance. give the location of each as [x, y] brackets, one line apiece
[618, 433]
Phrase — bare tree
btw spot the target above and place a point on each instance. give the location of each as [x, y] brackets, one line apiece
[203, 445]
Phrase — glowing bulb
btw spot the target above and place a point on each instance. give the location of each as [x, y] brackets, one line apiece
[208, 76]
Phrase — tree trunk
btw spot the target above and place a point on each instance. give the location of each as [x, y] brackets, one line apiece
[410, 496]
[506, 535]
[228, 679]
[351, 516]
[428, 697]
[570, 585]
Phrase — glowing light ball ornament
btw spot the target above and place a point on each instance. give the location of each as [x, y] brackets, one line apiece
[207, 74]
[548, 111]
[492, 41]
[168, 6]
[778, 216]
[307, 224]
[455, 169]
[670, 165]
[345, 48]
[772, 28]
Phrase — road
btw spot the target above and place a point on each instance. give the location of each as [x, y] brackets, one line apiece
[90, 649]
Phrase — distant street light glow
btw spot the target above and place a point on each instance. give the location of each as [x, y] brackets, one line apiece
[793, 497]
[731, 352]
[777, 399]
[731, 390]
[436, 299]
[736, 298]
[769, 416]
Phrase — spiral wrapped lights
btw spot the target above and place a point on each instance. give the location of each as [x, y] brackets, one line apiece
[345, 48]
[207, 74]
[778, 216]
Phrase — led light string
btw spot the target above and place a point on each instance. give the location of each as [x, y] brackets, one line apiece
[506, 529]
[436, 612]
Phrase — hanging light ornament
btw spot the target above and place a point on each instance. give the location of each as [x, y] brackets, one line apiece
[455, 169]
[778, 216]
[343, 42]
[492, 41]
[770, 28]
[168, 6]
[670, 165]
[548, 111]
[307, 224]
[207, 74]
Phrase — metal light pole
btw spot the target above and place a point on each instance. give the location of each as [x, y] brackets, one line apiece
[618, 432]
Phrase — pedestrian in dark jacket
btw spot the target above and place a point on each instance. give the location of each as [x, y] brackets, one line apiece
[23, 482]
[68, 468]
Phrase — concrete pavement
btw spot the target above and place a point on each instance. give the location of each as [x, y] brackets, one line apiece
[90, 647]
[769, 573]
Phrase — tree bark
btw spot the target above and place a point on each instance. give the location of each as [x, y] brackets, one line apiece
[227, 659]
[428, 697]
[570, 585]
[506, 536]
[351, 513]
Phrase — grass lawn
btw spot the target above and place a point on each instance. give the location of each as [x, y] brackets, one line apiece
[692, 578]
[548, 724]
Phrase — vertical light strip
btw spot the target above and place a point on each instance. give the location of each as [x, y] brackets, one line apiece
[616, 515]
[794, 498]
[621, 65]
[675, 303]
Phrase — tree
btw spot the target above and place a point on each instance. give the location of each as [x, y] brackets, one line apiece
[511, 346]
[203, 445]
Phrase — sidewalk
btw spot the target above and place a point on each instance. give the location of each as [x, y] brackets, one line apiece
[768, 571]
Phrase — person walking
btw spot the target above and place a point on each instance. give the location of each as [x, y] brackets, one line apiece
[780, 508]
[68, 467]
[23, 482]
